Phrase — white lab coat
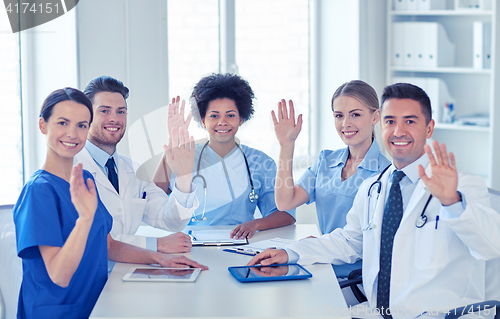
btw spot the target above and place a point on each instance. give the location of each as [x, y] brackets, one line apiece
[128, 208]
[432, 269]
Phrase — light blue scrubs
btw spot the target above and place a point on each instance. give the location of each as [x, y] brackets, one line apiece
[228, 185]
[45, 215]
[334, 197]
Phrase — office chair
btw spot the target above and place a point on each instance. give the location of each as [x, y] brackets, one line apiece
[492, 275]
[2, 307]
[353, 280]
[10, 264]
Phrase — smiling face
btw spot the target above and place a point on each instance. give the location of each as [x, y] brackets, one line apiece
[404, 130]
[221, 122]
[66, 129]
[110, 120]
[354, 121]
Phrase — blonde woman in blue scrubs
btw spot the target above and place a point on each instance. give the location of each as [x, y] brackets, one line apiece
[333, 180]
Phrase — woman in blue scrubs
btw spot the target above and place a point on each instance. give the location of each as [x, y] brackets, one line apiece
[237, 179]
[334, 179]
[61, 225]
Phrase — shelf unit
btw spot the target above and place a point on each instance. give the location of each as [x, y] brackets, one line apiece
[477, 148]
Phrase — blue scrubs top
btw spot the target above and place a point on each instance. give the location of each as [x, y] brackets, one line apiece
[334, 197]
[228, 185]
[45, 215]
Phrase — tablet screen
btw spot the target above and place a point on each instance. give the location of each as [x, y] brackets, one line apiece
[273, 272]
[161, 274]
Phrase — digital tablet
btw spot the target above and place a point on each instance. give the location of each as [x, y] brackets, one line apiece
[269, 273]
[162, 274]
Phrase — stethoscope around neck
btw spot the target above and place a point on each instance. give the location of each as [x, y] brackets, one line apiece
[421, 220]
[252, 196]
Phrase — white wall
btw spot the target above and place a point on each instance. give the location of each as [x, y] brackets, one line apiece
[349, 45]
[127, 40]
[48, 62]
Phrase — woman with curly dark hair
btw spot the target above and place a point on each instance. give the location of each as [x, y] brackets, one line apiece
[232, 180]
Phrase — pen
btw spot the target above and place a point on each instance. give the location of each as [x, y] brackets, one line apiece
[241, 251]
[190, 233]
[437, 219]
[144, 195]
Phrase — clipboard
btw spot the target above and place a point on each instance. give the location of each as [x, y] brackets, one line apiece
[214, 238]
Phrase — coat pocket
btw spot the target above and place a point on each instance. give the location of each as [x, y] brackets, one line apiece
[431, 246]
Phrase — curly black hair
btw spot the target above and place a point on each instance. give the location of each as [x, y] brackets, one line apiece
[220, 86]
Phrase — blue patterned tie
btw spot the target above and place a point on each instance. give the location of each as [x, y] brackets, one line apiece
[113, 178]
[393, 213]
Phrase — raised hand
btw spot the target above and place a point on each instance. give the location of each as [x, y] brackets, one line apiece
[83, 196]
[179, 154]
[284, 123]
[444, 180]
[175, 119]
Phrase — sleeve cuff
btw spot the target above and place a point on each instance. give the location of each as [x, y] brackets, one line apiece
[455, 210]
[185, 199]
[293, 257]
[151, 243]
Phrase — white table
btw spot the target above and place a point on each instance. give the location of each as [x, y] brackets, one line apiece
[216, 294]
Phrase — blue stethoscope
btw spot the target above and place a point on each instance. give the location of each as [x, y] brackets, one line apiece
[377, 185]
[252, 196]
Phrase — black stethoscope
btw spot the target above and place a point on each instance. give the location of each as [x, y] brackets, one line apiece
[252, 196]
[422, 219]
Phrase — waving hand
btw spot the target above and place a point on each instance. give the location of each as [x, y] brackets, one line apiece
[444, 180]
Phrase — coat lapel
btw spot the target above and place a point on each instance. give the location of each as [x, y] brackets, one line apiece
[125, 174]
[90, 165]
[416, 198]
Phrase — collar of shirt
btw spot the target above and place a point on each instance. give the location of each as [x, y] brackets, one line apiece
[371, 160]
[336, 160]
[368, 162]
[409, 182]
[100, 156]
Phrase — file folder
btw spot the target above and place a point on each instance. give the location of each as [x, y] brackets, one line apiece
[481, 45]
[411, 40]
[426, 5]
[412, 5]
[420, 43]
[440, 51]
[398, 33]
[400, 5]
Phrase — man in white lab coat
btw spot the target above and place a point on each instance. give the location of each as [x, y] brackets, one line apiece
[438, 252]
[132, 200]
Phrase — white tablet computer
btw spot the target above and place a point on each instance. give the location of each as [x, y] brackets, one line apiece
[162, 274]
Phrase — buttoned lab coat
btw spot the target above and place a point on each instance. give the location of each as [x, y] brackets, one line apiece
[129, 208]
[433, 269]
